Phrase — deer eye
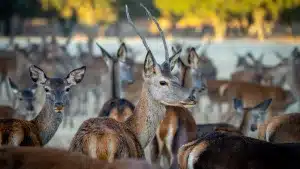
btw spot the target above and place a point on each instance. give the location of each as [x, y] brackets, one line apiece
[67, 89]
[47, 90]
[163, 83]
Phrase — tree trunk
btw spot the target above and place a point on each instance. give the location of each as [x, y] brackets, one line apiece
[7, 26]
[220, 27]
[258, 25]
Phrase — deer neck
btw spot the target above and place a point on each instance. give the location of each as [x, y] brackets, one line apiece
[186, 77]
[146, 117]
[115, 82]
[47, 122]
[6, 94]
[40, 98]
[245, 125]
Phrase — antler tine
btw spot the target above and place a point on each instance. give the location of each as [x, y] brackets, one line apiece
[160, 32]
[135, 29]
[261, 57]
[278, 55]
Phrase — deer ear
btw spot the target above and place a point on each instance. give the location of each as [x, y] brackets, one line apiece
[13, 86]
[37, 75]
[150, 66]
[263, 106]
[193, 57]
[173, 49]
[76, 76]
[122, 52]
[238, 105]
[174, 59]
[105, 54]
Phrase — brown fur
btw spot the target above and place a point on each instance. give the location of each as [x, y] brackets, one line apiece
[19, 132]
[183, 153]
[112, 140]
[245, 76]
[197, 147]
[213, 92]
[283, 128]
[168, 132]
[6, 112]
[252, 94]
[118, 109]
[49, 158]
[223, 150]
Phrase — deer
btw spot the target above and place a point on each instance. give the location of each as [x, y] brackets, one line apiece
[252, 94]
[27, 102]
[38, 131]
[283, 128]
[229, 151]
[49, 158]
[244, 114]
[189, 153]
[120, 74]
[192, 73]
[7, 65]
[108, 139]
[294, 78]
[96, 68]
[201, 62]
[178, 121]
[277, 75]
[248, 72]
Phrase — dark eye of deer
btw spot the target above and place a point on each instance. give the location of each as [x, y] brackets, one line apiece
[67, 89]
[47, 90]
[163, 83]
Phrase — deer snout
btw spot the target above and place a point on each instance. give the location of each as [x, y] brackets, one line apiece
[253, 127]
[30, 107]
[58, 106]
[191, 101]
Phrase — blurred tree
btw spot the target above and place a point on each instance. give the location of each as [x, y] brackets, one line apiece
[89, 13]
[219, 12]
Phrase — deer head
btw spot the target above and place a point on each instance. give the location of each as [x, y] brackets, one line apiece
[125, 64]
[296, 56]
[241, 62]
[257, 113]
[158, 80]
[57, 89]
[25, 99]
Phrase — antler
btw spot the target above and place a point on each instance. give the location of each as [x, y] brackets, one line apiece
[250, 55]
[136, 30]
[278, 55]
[160, 32]
[261, 57]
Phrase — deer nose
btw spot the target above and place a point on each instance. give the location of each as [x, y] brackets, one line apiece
[58, 106]
[253, 127]
[30, 108]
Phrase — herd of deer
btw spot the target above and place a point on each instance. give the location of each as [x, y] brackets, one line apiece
[253, 132]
